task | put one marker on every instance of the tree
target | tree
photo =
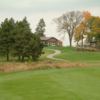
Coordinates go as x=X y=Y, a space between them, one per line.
x=22 y=37
x=40 y=29
x=79 y=32
x=82 y=28
x=17 y=39
x=94 y=26
x=27 y=44
x=68 y=22
x=35 y=46
x=6 y=37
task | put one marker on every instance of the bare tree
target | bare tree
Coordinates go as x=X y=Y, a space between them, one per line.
x=68 y=22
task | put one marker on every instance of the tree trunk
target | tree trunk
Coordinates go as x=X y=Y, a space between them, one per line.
x=82 y=41
x=19 y=58
x=22 y=58
x=70 y=41
x=7 y=54
x=77 y=44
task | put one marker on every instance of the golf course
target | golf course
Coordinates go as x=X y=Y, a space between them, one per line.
x=72 y=83
x=50 y=50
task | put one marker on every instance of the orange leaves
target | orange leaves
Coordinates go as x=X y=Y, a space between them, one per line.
x=80 y=31
x=82 y=28
x=86 y=15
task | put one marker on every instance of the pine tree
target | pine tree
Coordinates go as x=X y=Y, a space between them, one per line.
x=22 y=38
x=40 y=27
x=6 y=37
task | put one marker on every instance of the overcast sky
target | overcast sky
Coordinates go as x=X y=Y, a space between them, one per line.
x=47 y=9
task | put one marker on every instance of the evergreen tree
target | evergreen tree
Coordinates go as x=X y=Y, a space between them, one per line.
x=22 y=38
x=18 y=40
x=6 y=37
x=36 y=47
x=27 y=44
x=40 y=27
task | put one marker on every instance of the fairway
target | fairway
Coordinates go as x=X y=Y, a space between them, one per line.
x=52 y=84
x=71 y=54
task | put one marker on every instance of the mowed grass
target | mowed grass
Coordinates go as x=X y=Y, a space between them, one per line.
x=52 y=84
x=46 y=52
x=72 y=54
x=55 y=84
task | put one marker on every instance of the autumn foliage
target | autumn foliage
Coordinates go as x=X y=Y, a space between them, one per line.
x=89 y=29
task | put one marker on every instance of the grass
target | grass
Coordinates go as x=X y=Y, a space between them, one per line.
x=52 y=84
x=72 y=54
x=55 y=84
x=46 y=53
x=69 y=54
x=14 y=59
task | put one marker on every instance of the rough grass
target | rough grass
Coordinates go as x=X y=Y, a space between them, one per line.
x=54 y=84
x=47 y=64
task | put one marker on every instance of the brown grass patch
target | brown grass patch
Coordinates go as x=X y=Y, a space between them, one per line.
x=16 y=66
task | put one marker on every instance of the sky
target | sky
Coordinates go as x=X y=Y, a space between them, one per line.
x=47 y=9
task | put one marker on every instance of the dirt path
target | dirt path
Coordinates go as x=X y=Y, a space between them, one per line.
x=52 y=56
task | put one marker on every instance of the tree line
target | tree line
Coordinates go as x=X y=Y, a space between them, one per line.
x=80 y=26
x=18 y=41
